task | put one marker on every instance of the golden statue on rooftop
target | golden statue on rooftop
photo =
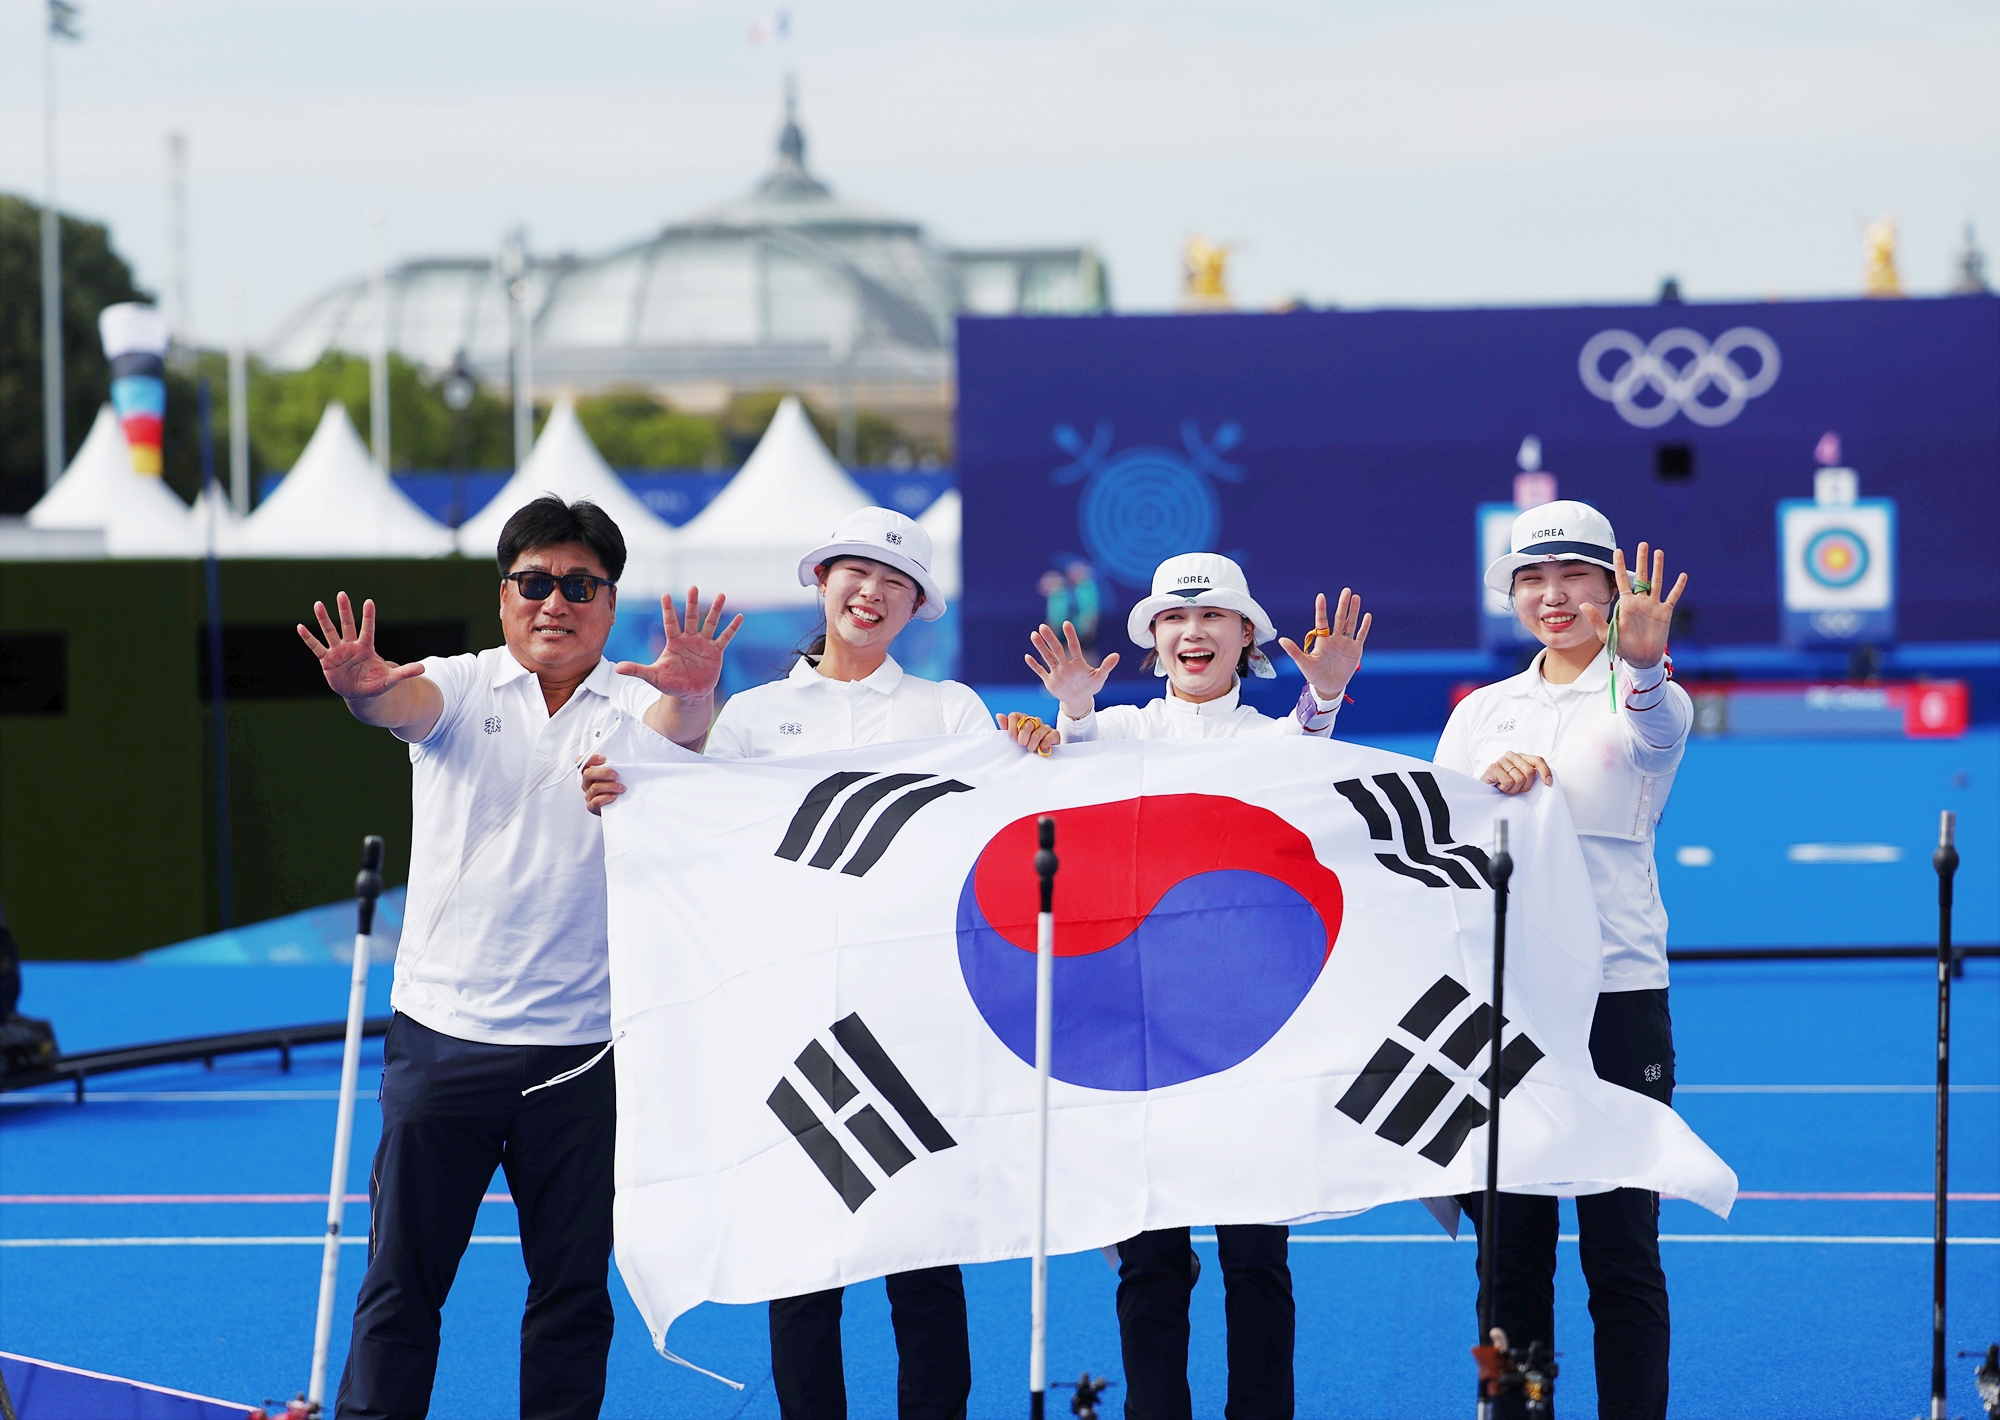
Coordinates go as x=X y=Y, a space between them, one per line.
x=1204 y=275
x=1880 y=277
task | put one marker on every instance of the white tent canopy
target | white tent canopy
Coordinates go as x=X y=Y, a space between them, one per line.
x=944 y=521
x=786 y=500
x=336 y=503
x=564 y=462
x=138 y=514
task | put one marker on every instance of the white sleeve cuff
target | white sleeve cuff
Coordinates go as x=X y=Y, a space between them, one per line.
x=1077 y=731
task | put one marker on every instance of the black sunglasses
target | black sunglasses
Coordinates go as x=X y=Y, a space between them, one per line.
x=576 y=586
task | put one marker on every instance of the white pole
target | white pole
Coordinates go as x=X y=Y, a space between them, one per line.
x=53 y=453
x=239 y=407
x=367 y=887
x=378 y=349
x=1045 y=967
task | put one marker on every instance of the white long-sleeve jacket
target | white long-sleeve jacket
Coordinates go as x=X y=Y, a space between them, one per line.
x=1615 y=772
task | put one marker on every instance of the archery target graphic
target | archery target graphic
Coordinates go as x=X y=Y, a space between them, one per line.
x=1836 y=558
x=1145 y=504
x=1189 y=928
x=1145 y=508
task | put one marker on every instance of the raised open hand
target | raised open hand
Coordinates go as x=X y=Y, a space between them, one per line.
x=1331 y=653
x=690 y=663
x=1065 y=673
x=1644 y=616
x=348 y=657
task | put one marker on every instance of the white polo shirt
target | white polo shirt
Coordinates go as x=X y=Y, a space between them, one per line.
x=1172 y=718
x=504 y=928
x=807 y=713
x=1614 y=771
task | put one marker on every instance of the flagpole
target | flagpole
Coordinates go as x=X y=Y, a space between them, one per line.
x=53 y=452
x=367 y=887
x=1489 y=1225
x=1945 y=861
x=1045 y=962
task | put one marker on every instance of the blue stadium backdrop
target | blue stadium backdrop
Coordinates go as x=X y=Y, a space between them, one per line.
x=1322 y=448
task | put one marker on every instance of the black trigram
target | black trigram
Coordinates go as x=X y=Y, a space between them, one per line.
x=1428 y=1090
x=858 y=793
x=1416 y=860
x=818 y=1131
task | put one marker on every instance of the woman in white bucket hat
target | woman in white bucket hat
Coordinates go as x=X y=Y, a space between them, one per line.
x=1203 y=630
x=1596 y=715
x=846 y=690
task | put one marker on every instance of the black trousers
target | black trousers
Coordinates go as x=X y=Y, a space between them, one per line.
x=453 y=1110
x=933 y=1354
x=1155 y=1281
x=1631 y=1044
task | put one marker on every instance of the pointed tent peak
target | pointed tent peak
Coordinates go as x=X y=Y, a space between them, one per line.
x=564 y=445
x=139 y=516
x=944 y=520
x=787 y=498
x=335 y=445
x=336 y=503
x=94 y=481
x=566 y=463
x=789 y=490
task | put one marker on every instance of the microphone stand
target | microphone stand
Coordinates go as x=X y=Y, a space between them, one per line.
x=1945 y=861
x=1045 y=961
x=1491 y=1354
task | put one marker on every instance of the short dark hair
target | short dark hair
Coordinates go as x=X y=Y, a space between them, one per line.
x=547 y=520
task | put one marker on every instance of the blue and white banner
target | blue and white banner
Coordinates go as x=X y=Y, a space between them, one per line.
x=1272 y=962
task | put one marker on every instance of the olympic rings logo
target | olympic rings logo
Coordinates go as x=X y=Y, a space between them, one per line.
x=1676 y=373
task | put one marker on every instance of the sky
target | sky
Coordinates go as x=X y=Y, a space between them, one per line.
x=1353 y=152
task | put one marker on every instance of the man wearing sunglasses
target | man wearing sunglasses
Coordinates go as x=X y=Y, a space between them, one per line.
x=499 y=1052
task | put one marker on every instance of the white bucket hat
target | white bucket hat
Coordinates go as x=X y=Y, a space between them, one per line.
x=1562 y=531
x=886 y=536
x=1202 y=579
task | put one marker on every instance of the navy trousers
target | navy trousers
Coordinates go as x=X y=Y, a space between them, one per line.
x=452 y=1111
x=1155 y=1281
x=1618 y=1235
x=933 y=1354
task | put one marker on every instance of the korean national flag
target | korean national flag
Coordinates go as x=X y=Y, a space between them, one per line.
x=1272 y=969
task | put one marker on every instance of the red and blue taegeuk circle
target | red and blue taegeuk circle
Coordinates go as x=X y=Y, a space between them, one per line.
x=1189 y=927
x=1836 y=557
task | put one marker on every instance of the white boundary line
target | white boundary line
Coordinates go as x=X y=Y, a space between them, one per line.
x=317 y=1240
x=1775 y=1239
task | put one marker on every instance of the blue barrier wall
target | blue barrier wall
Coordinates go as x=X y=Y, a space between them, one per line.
x=1330 y=448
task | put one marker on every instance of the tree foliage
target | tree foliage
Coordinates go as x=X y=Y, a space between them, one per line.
x=93 y=276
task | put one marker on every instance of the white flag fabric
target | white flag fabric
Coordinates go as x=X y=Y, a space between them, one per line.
x=1272 y=959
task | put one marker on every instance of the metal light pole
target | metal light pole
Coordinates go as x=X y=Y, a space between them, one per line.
x=239 y=407
x=378 y=347
x=458 y=392
x=179 y=320
x=514 y=281
x=62 y=21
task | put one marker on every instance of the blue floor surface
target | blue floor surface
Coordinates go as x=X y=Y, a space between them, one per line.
x=1808 y=1077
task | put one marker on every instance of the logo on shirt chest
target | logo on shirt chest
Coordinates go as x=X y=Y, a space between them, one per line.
x=1504 y=727
x=492 y=724
x=791 y=727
